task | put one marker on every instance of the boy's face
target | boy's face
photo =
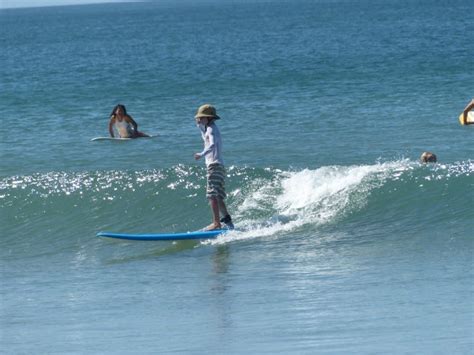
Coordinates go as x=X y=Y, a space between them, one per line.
x=202 y=120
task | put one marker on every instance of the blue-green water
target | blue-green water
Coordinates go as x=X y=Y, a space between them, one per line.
x=345 y=243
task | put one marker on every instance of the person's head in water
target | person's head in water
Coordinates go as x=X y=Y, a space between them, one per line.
x=117 y=110
x=428 y=157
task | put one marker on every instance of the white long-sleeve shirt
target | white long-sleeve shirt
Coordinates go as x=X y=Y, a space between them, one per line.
x=212 y=145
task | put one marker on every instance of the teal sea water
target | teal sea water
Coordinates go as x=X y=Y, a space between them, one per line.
x=345 y=243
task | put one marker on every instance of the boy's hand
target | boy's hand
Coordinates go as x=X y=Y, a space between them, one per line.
x=197 y=156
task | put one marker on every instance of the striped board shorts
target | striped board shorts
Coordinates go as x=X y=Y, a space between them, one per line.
x=215 y=181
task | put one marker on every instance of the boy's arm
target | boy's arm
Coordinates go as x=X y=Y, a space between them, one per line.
x=209 y=149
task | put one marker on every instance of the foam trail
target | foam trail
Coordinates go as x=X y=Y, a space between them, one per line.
x=309 y=197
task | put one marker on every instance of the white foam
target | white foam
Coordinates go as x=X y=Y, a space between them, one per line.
x=305 y=197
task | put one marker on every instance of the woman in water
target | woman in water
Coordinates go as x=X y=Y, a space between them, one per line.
x=124 y=124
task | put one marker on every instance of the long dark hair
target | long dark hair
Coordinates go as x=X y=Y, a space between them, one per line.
x=119 y=106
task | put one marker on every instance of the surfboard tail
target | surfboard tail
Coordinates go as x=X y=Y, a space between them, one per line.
x=165 y=236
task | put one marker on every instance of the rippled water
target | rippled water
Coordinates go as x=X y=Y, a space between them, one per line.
x=344 y=242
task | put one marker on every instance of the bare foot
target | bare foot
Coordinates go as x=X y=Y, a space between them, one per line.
x=213 y=226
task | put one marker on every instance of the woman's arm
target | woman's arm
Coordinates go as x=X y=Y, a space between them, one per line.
x=111 y=126
x=130 y=120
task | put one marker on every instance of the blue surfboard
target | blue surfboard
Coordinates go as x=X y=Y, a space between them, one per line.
x=165 y=236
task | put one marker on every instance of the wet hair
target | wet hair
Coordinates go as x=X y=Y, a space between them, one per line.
x=119 y=106
x=428 y=157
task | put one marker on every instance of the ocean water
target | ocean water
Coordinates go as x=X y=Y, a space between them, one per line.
x=345 y=243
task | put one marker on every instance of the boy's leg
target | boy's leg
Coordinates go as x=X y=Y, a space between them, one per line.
x=226 y=219
x=215 y=191
x=216 y=224
x=222 y=207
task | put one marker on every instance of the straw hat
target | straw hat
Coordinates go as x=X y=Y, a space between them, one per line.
x=207 y=111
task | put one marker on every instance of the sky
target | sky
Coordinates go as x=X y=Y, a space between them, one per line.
x=5 y=4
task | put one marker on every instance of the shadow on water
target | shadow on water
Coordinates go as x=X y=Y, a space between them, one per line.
x=171 y=248
x=220 y=257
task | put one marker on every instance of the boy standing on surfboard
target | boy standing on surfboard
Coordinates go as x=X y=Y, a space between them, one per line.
x=215 y=189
